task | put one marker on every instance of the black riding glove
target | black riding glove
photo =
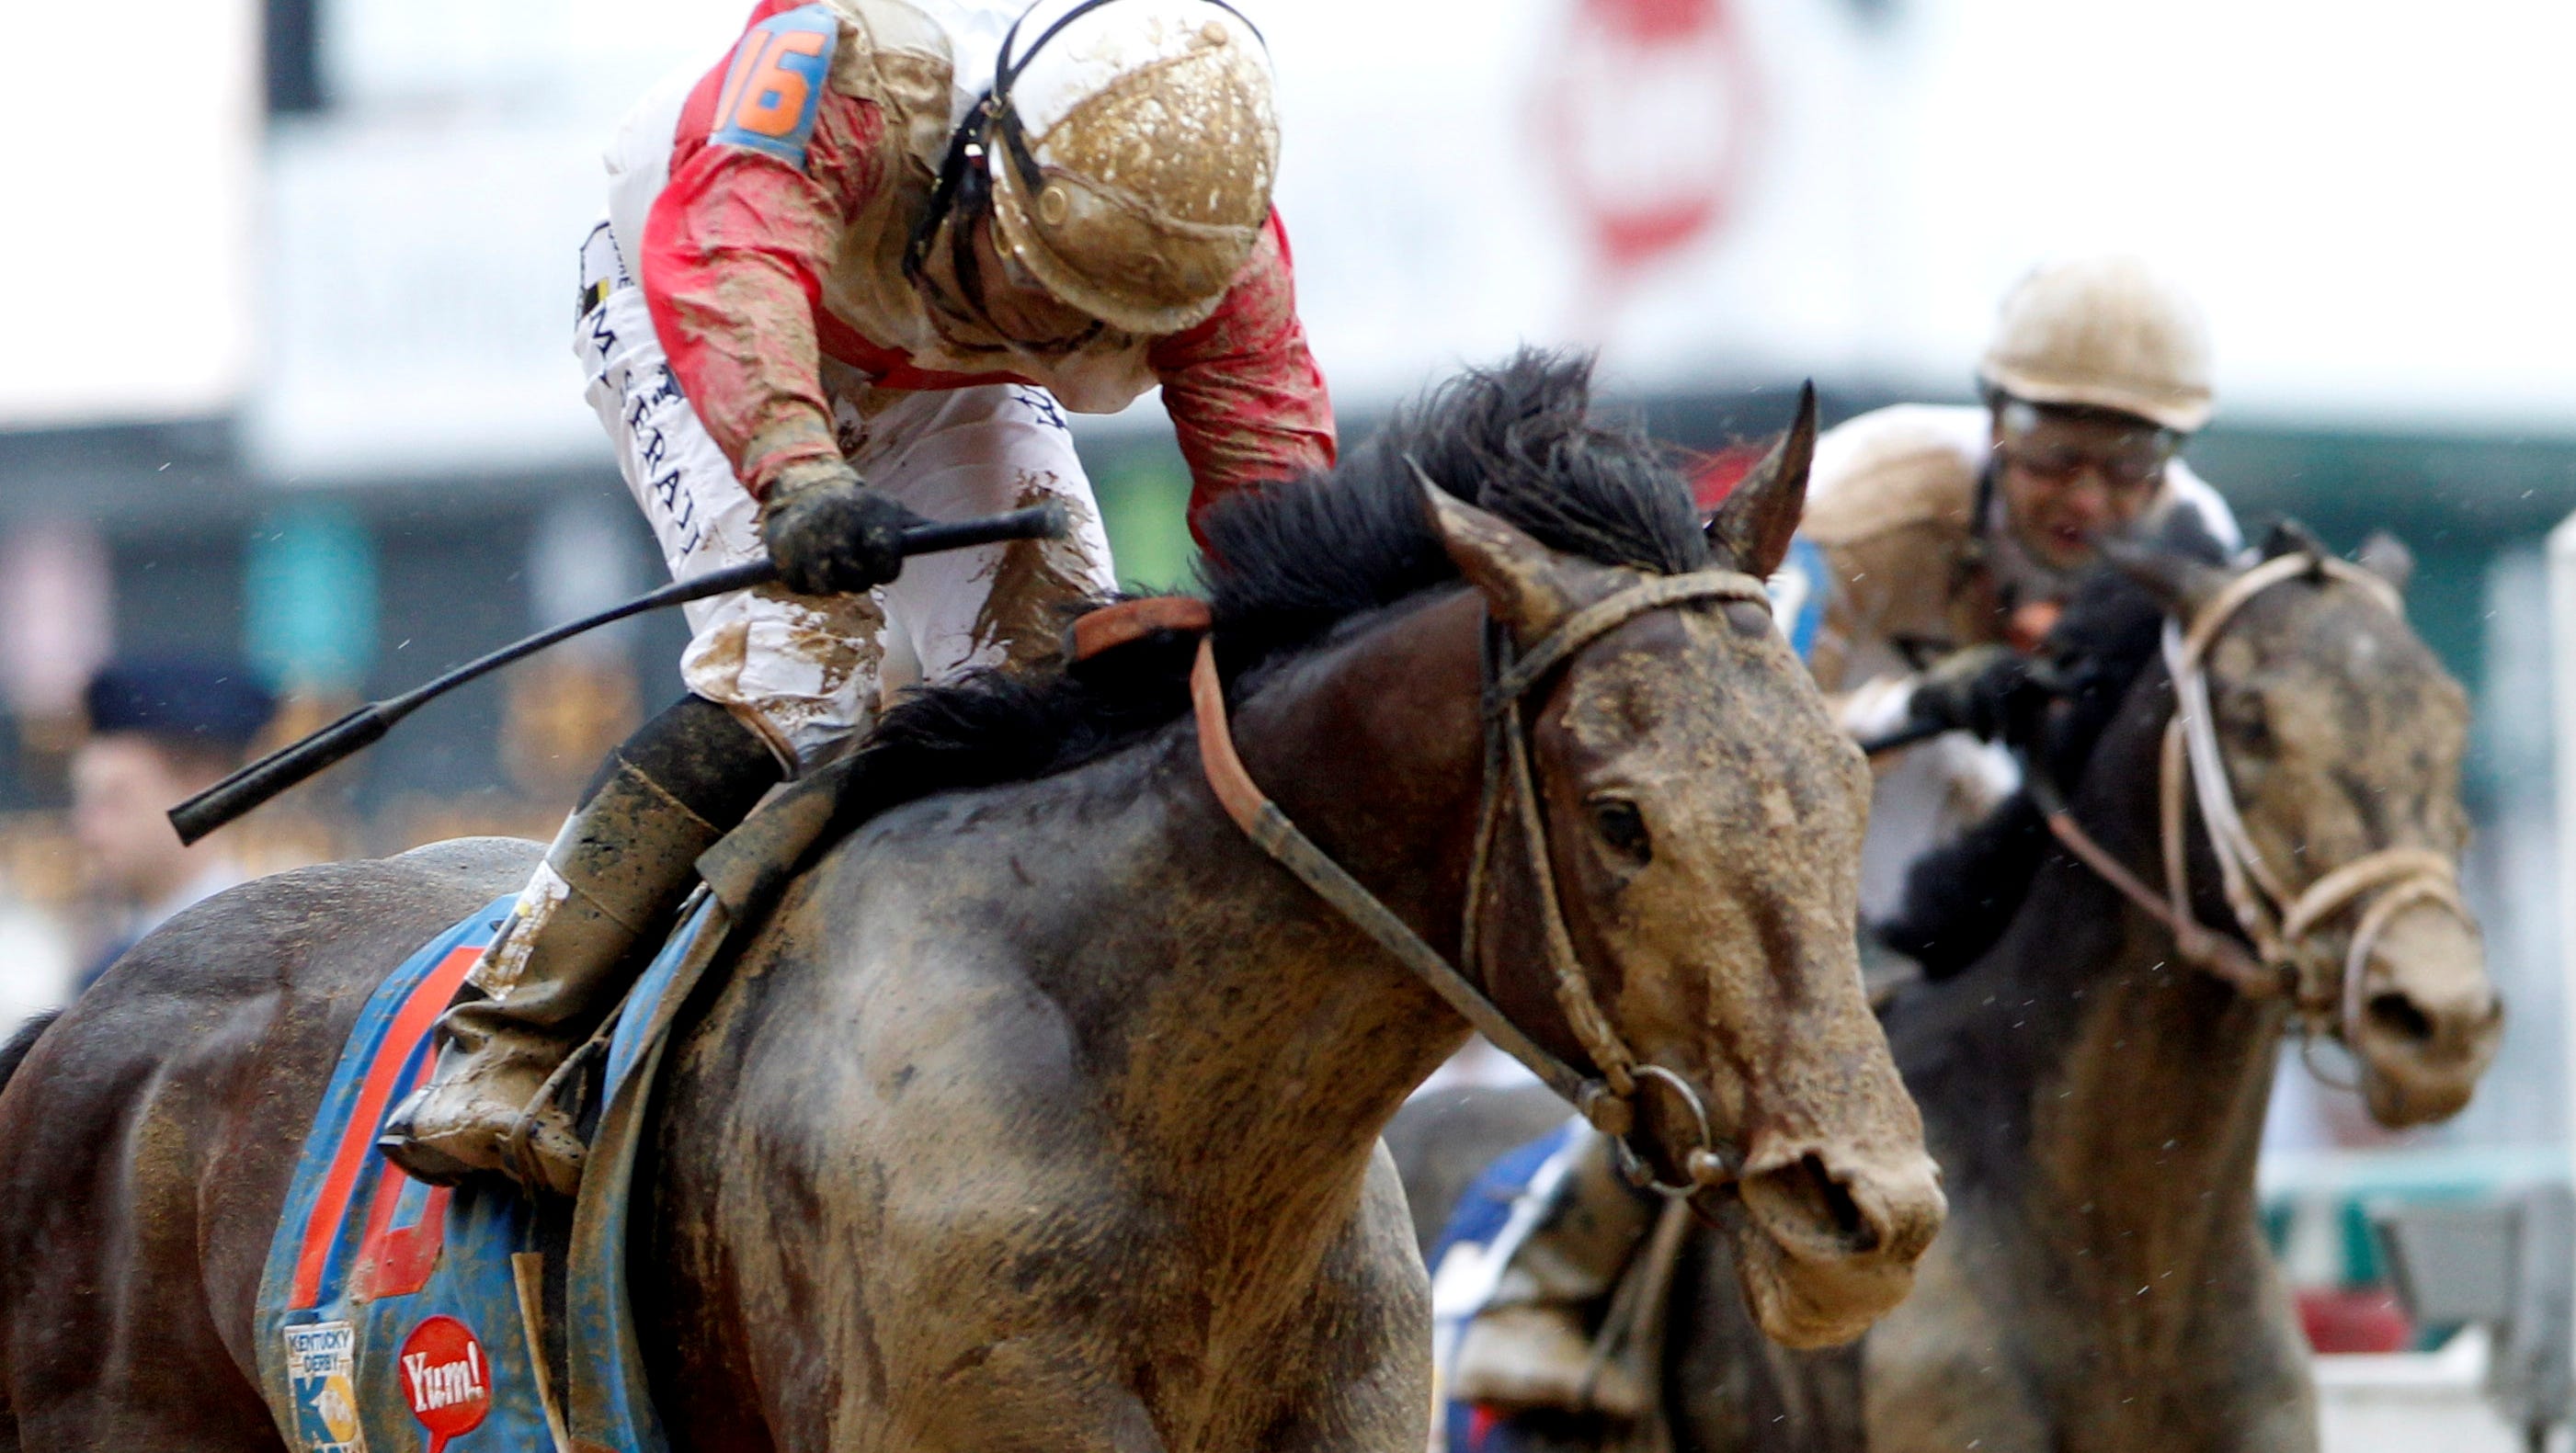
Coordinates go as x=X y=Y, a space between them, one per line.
x=829 y=533
x=1980 y=689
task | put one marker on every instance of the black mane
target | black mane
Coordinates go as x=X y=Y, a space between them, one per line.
x=1289 y=563
x=1960 y=898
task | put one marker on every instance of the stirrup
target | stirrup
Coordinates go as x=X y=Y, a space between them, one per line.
x=554 y=1168
x=419 y=1159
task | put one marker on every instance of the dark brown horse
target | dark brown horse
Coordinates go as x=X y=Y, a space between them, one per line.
x=2096 y=1103
x=1043 y=1111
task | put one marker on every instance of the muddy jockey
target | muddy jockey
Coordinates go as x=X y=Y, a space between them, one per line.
x=1937 y=547
x=849 y=277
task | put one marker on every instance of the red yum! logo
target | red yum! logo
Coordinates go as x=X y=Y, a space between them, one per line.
x=447 y=1379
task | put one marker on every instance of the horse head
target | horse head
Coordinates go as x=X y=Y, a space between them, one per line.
x=2338 y=736
x=1701 y=819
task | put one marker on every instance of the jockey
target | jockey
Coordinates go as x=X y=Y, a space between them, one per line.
x=1937 y=547
x=851 y=276
x=1947 y=539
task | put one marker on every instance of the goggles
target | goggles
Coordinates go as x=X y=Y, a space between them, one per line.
x=2132 y=460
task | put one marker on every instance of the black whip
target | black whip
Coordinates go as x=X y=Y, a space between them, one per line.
x=1915 y=730
x=362 y=728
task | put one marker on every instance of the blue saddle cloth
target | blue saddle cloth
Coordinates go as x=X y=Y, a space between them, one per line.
x=400 y=1315
x=1484 y=1230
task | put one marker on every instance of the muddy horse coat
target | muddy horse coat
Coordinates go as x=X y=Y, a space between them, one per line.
x=1044 y=1111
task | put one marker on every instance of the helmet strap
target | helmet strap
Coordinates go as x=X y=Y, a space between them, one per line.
x=965 y=187
x=961 y=175
x=1006 y=71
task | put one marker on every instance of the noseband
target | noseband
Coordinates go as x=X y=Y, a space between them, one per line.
x=2286 y=960
x=1606 y=1098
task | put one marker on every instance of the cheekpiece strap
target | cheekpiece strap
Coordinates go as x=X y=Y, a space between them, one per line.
x=1270 y=830
x=1605 y=1099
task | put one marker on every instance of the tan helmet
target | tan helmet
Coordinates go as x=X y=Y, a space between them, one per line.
x=1133 y=149
x=2105 y=332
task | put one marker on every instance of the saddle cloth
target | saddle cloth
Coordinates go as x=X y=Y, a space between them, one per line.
x=396 y=1315
x=1490 y=1222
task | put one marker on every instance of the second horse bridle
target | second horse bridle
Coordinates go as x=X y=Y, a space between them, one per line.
x=2280 y=924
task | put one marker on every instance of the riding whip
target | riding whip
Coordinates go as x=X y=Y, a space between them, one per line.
x=1913 y=731
x=360 y=729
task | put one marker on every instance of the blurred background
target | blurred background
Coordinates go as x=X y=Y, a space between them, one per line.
x=287 y=373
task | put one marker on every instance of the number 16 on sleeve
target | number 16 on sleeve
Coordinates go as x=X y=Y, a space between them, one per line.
x=774 y=85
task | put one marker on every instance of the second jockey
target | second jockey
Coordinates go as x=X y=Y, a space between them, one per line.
x=851 y=276
x=1945 y=539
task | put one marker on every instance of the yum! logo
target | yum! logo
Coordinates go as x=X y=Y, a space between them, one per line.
x=446 y=1378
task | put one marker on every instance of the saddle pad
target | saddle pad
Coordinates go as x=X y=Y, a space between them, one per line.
x=1488 y=1225
x=402 y=1315
x=382 y=1294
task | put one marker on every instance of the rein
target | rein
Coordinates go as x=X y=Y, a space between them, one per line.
x=2281 y=925
x=1607 y=1098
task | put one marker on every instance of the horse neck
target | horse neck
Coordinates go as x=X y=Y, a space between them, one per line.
x=1285 y=1039
x=2133 y=1085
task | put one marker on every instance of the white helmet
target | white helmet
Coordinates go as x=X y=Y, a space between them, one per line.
x=1132 y=148
x=2103 y=332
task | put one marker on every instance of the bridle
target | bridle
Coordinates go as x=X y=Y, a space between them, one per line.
x=2281 y=924
x=1605 y=1097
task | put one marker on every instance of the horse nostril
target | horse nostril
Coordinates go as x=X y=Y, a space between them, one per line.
x=2398 y=1015
x=1826 y=1200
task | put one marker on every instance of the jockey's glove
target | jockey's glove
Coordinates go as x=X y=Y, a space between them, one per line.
x=1981 y=689
x=829 y=533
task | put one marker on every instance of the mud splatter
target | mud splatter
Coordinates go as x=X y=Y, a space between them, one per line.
x=1034 y=581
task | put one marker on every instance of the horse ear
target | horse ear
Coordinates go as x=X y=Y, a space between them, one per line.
x=2289 y=537
x=1523 y=583
x=2179 y=583
x=2387 y=557
x=1751 y=530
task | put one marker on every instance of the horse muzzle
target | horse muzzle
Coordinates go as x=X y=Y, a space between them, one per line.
x=1833 y=1235
x=2428 y=1019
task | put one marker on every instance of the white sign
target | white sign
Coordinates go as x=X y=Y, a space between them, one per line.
x=132 y=172
x=420 y=281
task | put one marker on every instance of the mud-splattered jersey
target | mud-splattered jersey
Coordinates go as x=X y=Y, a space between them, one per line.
x=769 y=204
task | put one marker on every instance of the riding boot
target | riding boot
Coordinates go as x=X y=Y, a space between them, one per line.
x=1537 y=1342
x=621 y=864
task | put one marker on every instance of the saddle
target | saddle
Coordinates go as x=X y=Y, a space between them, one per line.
x=394 y=1313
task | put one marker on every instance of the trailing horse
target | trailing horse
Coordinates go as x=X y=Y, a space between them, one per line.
x=2094 y=1098
x=1042 y=1111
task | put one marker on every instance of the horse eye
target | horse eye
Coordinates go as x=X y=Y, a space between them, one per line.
x=1623 y=827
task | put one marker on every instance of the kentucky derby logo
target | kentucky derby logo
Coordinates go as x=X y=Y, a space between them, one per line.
x=320 y=1363
x=446 y=1379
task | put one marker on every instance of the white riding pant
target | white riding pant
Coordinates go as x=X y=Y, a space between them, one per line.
x=809 y=672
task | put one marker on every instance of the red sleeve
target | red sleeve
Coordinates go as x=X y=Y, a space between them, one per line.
x=734 y=254
x=1246 y=399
